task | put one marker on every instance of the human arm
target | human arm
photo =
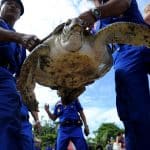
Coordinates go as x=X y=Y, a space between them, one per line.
x=37 y=124
x=108 y=9
x=50 y=115
x=83 y=117
x=26 y=40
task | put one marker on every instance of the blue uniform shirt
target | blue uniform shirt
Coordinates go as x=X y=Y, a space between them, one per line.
x=12 y=54
x=68 y=112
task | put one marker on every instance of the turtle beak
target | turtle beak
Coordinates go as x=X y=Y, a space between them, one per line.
x=77 y=28
x=76 y=25
x=71 y=37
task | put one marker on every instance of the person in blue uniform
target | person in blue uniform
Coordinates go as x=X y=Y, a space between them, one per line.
x=71 y=117
x=132 y=66
x=12 y=55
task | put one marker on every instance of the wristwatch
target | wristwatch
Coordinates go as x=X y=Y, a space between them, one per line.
x=96 y=13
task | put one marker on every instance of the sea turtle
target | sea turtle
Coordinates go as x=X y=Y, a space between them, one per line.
x=70 y=59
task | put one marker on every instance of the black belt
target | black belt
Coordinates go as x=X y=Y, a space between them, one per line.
x=4 y=64
x=24 y=118
x=71 y=122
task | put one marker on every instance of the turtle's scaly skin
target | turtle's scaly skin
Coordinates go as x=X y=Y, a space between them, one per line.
x=69 y=59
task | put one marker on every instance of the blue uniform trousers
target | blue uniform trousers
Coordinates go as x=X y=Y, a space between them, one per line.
x=133 y=95
x=137 y=135
x=9 y=113
x=15 y=134
x=133 y=99
x=73 y=133
x=26 y=136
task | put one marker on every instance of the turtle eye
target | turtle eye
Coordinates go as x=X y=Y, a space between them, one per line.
x=68 y=22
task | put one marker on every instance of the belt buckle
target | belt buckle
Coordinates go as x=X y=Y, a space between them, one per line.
x=14 y=75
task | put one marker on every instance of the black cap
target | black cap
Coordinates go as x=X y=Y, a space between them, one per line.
x=18 y=1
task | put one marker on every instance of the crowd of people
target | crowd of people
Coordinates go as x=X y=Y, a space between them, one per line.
x=131 y=64
x=117 y=144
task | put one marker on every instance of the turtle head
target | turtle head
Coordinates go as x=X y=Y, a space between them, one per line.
x=68 y=95
x=72 y=35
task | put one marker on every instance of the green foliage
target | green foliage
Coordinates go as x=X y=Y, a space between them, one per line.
x=48 y=134
x=105 y=132
x=90 y=140
x=91 y=143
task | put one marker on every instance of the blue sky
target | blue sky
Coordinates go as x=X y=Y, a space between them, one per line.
x=40 y=18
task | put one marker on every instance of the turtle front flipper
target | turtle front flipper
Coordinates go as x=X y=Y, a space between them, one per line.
x=27 y=79
x=124 y=33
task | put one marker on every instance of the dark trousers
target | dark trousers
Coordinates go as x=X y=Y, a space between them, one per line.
x=137 y=135
x=10 y=124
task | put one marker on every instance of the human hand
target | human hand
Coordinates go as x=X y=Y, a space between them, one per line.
x=46 y=107
x=86 y=130
x=87 y=18
x=29 y=41
x=37 y=126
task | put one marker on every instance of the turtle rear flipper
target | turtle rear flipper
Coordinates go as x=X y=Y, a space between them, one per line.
x=124 y=33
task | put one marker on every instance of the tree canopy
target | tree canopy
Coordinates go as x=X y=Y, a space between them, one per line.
x=105 y=132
